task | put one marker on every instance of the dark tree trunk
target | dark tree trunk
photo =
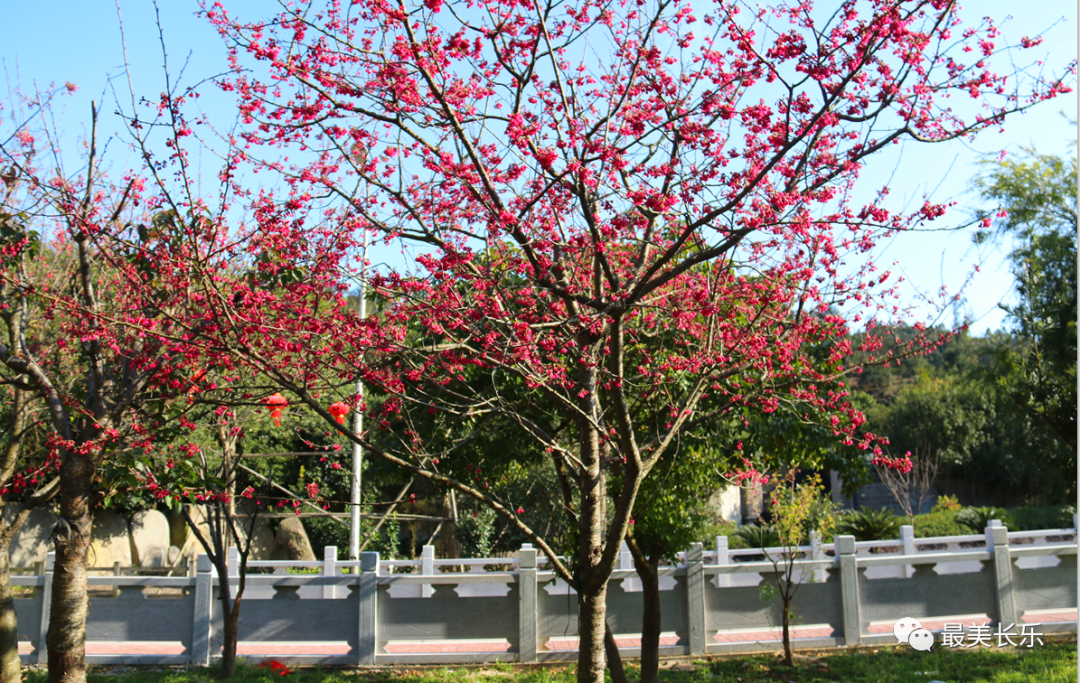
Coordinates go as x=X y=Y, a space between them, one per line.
x=650 y=622
x=785 y=621
x=224 y=534
x=646 y=568
x=230 y=607
x=230 y=611
x=10 y=666
x=614 y=659
x=67 y=613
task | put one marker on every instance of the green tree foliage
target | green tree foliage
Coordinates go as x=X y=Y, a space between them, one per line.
x=939 y=414
x=958 y=403
x=1035 y=204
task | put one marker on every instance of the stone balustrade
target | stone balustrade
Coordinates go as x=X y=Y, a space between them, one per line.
x=513 y=609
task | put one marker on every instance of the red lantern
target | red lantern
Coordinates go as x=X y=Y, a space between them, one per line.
x=195 y=388
x=339 y=411
x=277 y=403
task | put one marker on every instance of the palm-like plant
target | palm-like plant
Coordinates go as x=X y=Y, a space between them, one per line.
x=754 y=536
x=978 y=518
x=869 y=525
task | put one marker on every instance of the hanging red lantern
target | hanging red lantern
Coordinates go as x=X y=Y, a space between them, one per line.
x=277 y=403
x=195 y=388
x=339 y=410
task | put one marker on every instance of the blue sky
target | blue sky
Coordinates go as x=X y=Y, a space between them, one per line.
x=79 y=41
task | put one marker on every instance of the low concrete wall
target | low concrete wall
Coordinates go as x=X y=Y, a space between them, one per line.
x=521 y=613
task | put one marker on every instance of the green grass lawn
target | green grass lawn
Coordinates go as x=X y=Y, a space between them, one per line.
x=1054 y=662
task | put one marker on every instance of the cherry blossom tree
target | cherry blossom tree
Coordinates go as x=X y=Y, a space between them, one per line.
x=581 y=180
x=95 y=308
x=27 y=473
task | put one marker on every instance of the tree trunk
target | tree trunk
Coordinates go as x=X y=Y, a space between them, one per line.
x=10 y=666
x=614 y=659
x=650 y=617
x=230 y=612
x=230 y=608
x=592 y=610
x=67 y=613
x=785 y=621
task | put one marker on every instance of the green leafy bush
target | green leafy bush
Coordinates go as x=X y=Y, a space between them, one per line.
x=1028 y=518
x=976 y=519
x=754 y=536
x=869 y=525
x=941 y=523
x=947 y=504
x=722 y=528
x=973 y=520
x=475 y=533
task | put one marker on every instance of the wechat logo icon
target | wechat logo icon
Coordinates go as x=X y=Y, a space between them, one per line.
x=910 y=631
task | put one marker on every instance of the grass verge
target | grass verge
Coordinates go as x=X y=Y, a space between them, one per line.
x=1054 y=662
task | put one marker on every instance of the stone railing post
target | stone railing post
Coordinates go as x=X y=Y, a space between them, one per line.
x=329 y=568
x=204 y=597
x=527 y=604
x=695 y=598
x=233 y=568
x=46 y=602
x=817 y=552
x=1006 y=600
x=427 y=568
x=722 y=558
x=367 y=640
x=907 y=547
x=849 y=589
x=630 y=584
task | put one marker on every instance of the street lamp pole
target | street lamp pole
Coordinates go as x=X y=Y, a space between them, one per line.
x=358 y=427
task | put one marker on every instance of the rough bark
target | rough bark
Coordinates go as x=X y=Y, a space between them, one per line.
x=592 y=611
x=592 y=579
x=67 y=614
